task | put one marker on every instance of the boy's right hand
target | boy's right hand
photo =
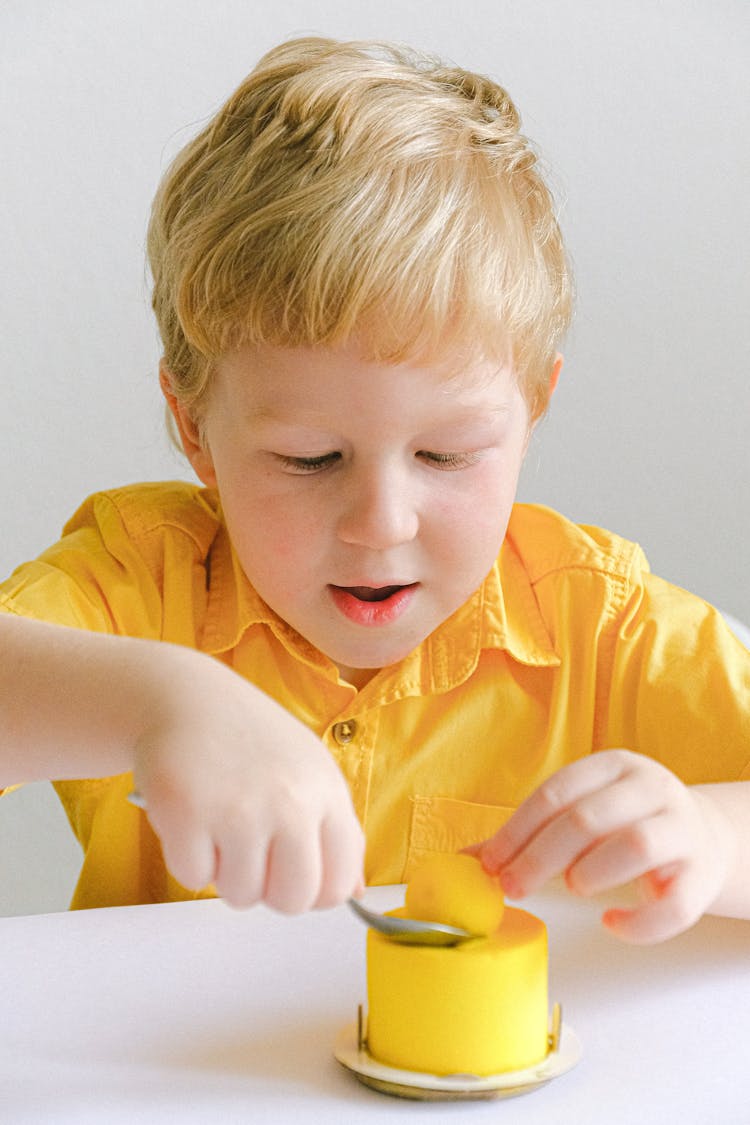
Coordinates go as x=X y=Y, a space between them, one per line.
x=242 y=795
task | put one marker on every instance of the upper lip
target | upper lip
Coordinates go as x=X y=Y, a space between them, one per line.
x=370 y=585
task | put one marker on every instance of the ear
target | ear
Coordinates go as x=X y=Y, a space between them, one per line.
x=554 y=376
x=195 y=448
x=556 y=369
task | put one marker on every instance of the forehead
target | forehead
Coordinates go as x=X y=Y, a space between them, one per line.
x=268 y=380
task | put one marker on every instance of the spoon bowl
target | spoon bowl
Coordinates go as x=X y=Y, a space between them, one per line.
x=410 y=931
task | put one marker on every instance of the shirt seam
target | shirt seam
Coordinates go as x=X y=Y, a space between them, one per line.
x=619 y=590
x=139 y=534
x=620 y=574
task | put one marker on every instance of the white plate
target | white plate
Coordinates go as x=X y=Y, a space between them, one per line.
x=436 y=1087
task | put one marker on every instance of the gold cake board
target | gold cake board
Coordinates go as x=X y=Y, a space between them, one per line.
x=350 y=1049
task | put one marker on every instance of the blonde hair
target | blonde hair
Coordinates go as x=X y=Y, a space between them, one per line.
x=359 y=190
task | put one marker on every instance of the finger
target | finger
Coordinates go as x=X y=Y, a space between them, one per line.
x=188 y=848
x=294 y=869
x=242 y=851
x=342 y=852
x=677 y=907
x=580 y=830
x=192 y=859
x=553 y=797
x=623 y=856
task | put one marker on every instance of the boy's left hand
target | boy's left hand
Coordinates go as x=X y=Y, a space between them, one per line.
x=610 y=819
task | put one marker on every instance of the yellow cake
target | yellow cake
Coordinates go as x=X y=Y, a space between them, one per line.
x=475 y=1008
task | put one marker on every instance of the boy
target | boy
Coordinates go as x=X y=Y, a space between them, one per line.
x=360 y=286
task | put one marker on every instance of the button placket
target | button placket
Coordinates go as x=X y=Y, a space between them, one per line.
x=352 y=743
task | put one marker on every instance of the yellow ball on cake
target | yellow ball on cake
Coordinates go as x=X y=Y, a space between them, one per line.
x=456 y=891
x=475 y=1008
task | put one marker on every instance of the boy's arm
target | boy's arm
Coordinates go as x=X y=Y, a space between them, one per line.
x=616 y=817
x=72 y=703
x=241 y=794
x=732 y=801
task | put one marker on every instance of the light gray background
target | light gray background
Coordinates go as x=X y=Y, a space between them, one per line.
x=640 y=107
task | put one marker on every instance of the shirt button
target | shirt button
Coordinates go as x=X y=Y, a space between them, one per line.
x=344 y=732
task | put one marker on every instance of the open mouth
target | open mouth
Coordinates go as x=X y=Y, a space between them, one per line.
x=371 y=593
x=374 y=605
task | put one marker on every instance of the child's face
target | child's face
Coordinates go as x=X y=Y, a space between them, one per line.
x=366 y=501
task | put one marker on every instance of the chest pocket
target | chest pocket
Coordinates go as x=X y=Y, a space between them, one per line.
x=444 y=824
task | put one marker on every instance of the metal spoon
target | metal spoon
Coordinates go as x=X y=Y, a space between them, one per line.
x=410 y=931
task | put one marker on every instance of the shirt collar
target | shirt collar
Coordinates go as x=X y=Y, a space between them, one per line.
x=517 y=623
x=502 y=614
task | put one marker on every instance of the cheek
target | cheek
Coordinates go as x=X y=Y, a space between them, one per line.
x=481 y=514
x=468 y=538
x=271 y=530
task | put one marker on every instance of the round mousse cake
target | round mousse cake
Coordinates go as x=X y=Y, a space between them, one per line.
x=479 y=1007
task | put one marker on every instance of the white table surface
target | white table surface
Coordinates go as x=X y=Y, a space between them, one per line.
x=190 y=1012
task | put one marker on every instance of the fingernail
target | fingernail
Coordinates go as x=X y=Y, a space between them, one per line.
x=490 y=863
x=613 y=917
x=511 y=887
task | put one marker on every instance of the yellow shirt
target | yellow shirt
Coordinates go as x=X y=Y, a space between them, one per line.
x=569 y=646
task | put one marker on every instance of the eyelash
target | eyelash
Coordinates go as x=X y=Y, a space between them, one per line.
x=309 y=464
x=444 y=461
x=448 y=461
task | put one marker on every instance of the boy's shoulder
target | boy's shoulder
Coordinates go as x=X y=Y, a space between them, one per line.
x=548 y=543
x=141 y=511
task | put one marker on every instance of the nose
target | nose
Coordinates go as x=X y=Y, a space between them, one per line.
x=379 y=511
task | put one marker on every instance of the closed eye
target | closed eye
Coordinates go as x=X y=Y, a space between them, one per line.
x=448 y=461
x=308 y=464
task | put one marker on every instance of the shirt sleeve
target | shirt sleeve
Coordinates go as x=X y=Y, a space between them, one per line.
x=679 y=685
x=94 y=578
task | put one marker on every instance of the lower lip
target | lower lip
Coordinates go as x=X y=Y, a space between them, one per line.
x=373 y=613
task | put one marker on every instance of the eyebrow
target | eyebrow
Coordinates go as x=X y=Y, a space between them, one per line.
x=305 y=417
x=266 y=414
